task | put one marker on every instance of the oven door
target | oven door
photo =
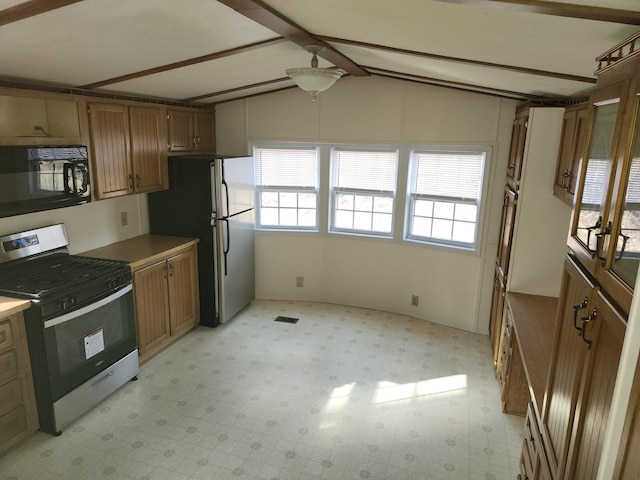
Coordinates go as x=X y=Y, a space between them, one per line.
x=82 y=343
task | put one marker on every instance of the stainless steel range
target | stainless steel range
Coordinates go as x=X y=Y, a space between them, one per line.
x=80 y=326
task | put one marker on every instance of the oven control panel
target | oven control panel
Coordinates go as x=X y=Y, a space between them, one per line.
x=18 y=243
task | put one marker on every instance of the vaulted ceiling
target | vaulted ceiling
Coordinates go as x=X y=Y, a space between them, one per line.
x=208 y=51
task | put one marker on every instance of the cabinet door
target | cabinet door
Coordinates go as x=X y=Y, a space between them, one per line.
x=181 y=131
x=204 y=133
x=495 y=325
x=148 y=148
x=567 y=364
x=510 y=201
x=574 y=130
x=618 y=277
x=183 y=291
x=589 y=224
x=152 y=307
x=603 y=335
x=516 y=153
x=109 y=131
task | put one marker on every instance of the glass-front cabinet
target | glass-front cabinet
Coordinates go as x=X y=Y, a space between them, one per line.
x=605 y=231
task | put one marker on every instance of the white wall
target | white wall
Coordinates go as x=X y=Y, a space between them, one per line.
x=454 y=287
x=90 y=225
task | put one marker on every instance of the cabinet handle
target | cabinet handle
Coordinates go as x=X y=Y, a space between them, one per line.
x=565 y=177
x=166 y=271
x=590 y=230
x=576 y=309
x=130 y=182
x=171 y=269
x=625 y=238
x=600 y=244
x=137 y=181
x=586 y=320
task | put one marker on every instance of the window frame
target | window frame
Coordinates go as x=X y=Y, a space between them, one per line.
x=259 y=189
x=480 y=202
x=334 y=191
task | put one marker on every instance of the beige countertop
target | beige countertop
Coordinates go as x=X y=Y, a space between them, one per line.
x=9 y=306
x=141 y=250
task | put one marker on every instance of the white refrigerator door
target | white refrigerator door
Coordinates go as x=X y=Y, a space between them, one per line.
x=237 y=266
x=234 y=232
x=237 y=193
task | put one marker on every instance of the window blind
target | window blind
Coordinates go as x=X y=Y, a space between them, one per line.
x=447 y=174
x=280 y=167
x=372 y=170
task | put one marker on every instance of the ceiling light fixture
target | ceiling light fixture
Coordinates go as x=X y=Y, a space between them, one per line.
x=314 y=80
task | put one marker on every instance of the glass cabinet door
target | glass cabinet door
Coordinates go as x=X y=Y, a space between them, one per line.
x=627 y=255
x=591 y=224
x=596 y=178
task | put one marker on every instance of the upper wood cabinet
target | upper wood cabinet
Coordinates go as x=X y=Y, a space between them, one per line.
x=128 y=146
x=605 y=230
x=191 y=131
x=516 y=152
x=47 y=119
x=572 y=144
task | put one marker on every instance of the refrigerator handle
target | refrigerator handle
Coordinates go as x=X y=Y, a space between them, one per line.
x=225 y=248
x=226 y=188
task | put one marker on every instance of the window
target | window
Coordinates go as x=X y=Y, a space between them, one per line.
x=286 y=188
x=363 y=184
x=444 y=196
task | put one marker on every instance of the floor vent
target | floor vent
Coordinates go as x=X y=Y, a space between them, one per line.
x=286 y=319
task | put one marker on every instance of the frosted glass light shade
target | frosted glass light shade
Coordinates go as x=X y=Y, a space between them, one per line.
x=314 y=80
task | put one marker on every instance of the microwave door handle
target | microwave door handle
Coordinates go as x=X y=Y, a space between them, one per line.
x=85 y=179
x=69 y=179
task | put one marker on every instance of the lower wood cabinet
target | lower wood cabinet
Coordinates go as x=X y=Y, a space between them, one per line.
x=514 y=388
x=166 y=298
x=18 y=414
x=533 y=461
x=588 y=343
x=165 y=286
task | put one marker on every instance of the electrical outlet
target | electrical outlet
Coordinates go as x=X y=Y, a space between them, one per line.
x=414 y=300
x=299 y=282
x=124 y=221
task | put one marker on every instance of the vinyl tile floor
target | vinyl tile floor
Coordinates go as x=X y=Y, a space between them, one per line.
x=345 y=393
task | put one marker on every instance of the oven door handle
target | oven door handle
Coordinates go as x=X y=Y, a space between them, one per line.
x=89 y=308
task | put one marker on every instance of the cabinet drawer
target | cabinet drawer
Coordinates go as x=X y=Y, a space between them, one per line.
x=6 y=335
x=8 y=366
x=12 y=424
x=10 y=396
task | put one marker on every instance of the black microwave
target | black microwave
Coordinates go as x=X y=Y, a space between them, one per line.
x=36 y=178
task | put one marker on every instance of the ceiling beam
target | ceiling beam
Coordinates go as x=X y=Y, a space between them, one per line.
x=513 y=68
x=469 y=87
x=263 y=14
x=30 y=9
x=186 y=63
x=238 y=89
x=585 y=12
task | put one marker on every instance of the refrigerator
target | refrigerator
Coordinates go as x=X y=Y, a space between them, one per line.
x=212 y=198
